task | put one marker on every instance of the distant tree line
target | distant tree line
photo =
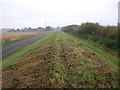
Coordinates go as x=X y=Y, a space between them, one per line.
x=29 y=29
x=105 y=35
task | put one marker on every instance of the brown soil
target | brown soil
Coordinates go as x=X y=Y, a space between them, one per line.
x=10 y=36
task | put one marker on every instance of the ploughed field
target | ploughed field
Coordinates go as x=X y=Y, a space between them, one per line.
x=60 y=60
x=11 y=37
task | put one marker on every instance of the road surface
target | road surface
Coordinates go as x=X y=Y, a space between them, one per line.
x=9 y=48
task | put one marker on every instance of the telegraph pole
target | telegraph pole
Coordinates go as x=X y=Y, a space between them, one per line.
x=46 y=23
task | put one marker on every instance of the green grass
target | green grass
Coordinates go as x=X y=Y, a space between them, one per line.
x=108 y=55
x=58 y=71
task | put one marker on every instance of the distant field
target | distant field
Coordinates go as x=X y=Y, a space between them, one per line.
x=10 y=37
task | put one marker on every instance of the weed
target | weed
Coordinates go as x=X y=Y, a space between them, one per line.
x=49 y=52
x=14 y=81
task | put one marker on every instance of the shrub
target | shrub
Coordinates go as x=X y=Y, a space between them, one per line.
x=105 y=35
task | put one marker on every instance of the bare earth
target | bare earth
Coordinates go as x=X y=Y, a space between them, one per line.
x=9 y=36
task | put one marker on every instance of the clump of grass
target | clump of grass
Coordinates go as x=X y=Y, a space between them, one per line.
x=14 y=81
x=86 y=62
x=50 y=46
x=90 y=77
x=93 y=53
x=49 y=52
x=60 y=73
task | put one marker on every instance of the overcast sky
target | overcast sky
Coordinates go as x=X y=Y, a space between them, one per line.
x=35 y=13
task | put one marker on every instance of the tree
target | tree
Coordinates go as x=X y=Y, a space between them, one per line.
x=89 y=28
x=48 y=28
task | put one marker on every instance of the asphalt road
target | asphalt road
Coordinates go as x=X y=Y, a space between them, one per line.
x=9 y=48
